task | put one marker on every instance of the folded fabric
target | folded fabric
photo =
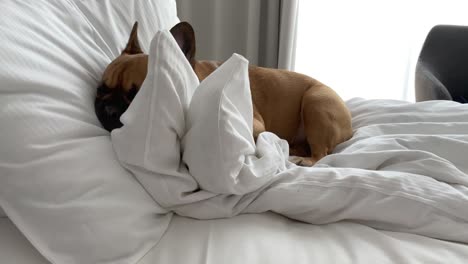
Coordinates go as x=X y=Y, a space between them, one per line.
x=148 y=144
x=219 y=148
x=403 y=170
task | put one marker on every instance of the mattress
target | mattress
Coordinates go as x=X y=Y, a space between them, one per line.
x=267 y=238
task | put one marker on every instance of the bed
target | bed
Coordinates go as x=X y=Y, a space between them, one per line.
x=67 y=199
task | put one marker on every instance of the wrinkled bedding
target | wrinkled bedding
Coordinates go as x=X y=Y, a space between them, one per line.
x=266 y=238
x=404 y=169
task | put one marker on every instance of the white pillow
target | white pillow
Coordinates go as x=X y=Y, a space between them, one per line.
x=60 y=182
x=219 y=148
x=111 y=21
x=148 y=144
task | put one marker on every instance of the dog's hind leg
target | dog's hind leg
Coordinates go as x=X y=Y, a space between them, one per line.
x=258 y=124
x=327 y=122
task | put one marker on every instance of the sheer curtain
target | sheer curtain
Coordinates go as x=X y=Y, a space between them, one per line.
x=368 y=48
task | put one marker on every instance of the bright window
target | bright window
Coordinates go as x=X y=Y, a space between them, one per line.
x=369 y=48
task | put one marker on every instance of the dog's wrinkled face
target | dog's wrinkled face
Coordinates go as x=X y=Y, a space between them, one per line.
x=110 y=105
x=117 y=89
x=124 y=76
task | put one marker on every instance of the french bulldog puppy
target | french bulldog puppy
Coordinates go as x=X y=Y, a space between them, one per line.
x=295 y=107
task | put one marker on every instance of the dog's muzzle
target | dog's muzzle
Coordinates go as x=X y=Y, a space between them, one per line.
x=110 y=104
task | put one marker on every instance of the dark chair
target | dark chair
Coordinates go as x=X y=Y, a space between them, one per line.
x=442 y=67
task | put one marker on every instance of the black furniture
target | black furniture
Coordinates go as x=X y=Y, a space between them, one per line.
x=442 y=67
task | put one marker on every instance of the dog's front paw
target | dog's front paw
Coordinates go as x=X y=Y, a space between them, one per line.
x=302 y=161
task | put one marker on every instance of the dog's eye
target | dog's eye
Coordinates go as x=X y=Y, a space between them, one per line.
x=103 y=89
x=132 y=93
x=103 y=92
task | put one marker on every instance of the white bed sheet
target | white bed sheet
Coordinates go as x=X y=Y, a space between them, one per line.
x=267 y=238
x=15 y=248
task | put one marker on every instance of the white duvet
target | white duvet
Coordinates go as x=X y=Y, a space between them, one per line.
x=405 y=169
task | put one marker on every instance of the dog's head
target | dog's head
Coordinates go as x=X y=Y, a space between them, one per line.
x=124 y=76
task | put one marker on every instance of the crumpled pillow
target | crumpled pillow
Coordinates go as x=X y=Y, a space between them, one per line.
x=148 y=143
x=219 y=148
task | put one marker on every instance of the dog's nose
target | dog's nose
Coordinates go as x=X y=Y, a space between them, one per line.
x=112 y=111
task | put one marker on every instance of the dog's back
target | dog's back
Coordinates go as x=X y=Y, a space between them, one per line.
x=277 y=97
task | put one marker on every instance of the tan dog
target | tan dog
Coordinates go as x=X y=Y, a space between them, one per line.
x=303 y=111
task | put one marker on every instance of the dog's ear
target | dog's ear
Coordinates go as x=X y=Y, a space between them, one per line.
x=185 y=37
x=133 y=45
